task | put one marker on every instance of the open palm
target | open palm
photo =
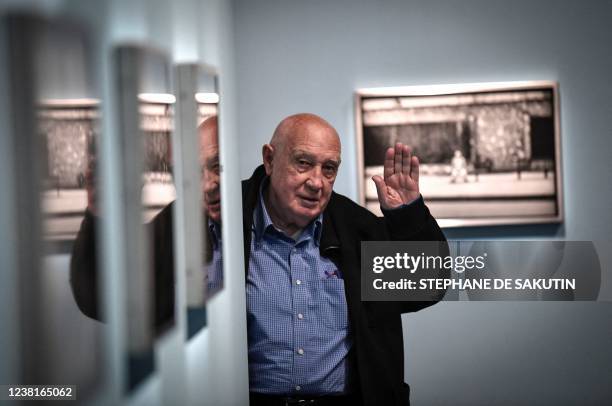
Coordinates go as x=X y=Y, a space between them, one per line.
x=400 y=184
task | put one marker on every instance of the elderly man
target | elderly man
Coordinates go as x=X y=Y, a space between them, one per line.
x=310 y=337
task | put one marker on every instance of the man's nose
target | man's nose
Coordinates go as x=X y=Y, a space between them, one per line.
x=210 y=183
x=315 y=180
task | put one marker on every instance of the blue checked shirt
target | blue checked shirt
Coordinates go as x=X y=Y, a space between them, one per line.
x=298 y=329
x=214 y=269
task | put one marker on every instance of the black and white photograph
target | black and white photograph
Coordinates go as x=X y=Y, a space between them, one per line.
x=68 y=130
x=489 y=153
x=156 y=124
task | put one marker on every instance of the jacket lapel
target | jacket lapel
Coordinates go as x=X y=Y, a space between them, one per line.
x=250 y=192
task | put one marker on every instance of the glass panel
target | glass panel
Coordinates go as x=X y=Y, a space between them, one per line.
x=199 y=84
x=68 y=130
x=207 y=99
x=55 y=121
x=144 y=116
x=147 y=111
x=158 y=191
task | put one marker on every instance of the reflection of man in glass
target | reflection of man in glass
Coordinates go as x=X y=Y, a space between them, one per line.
x=83 y=266
x=211 y=199
x=209 y=159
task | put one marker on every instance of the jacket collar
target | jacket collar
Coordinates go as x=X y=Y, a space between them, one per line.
x=329 y=235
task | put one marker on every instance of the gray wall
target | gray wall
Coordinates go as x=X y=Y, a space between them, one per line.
x=297 y=56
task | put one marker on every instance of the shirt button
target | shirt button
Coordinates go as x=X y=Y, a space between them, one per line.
x=300 y=351
x=300 y=316
x=298 y=282
x=298 y=387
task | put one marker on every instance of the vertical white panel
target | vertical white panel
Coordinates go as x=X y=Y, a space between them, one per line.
x=22 y=34
x=170 y=350
x=9 y=334
x=109 y=234
x=189 y=204
x=228 y=366
x=128 y=62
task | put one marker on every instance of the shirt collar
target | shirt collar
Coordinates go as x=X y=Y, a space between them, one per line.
x=262 y=221
x=215 y=232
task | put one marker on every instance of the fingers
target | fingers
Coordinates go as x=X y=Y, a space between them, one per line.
x=406 y=151
x=399 y=151
x=389 y=163
x=399 y=160
x=380 y=186
x=414 y=169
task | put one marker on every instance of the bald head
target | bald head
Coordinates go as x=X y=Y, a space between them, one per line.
x=208 y=130
x=303 y=125
x=302 y=161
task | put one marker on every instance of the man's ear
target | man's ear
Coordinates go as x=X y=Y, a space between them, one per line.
x=267 y=153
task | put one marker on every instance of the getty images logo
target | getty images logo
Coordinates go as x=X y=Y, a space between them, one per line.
x=412 y=263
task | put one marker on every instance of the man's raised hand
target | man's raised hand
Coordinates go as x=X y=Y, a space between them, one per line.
x=401 y=178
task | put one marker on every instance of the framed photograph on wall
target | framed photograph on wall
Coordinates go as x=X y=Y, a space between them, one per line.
x=489 y=152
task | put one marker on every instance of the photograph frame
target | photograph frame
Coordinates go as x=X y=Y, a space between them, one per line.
x=455 y=90
x=432 y=91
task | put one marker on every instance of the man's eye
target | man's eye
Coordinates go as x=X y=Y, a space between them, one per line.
x=302 y=163
x=215 y=168
x=330 y=170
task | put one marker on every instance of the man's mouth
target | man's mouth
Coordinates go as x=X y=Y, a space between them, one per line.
x=309 y=202
x=213 y=204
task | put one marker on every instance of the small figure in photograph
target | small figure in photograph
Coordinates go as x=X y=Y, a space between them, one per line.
x=458 y=168
x=519 y=159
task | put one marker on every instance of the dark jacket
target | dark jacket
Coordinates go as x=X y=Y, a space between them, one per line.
x=376 y=326
x=84 y=275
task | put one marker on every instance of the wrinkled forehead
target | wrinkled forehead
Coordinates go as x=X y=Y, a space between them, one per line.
x=315 y=139
x=209 y=142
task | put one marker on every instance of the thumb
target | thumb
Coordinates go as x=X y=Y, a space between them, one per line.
x=380 y=186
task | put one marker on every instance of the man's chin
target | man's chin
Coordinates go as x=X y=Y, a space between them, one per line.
x=306 y=215
x=214 y=216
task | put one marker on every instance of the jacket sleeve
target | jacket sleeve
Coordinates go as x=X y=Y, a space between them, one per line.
x=83 y=268
x=413 y=222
